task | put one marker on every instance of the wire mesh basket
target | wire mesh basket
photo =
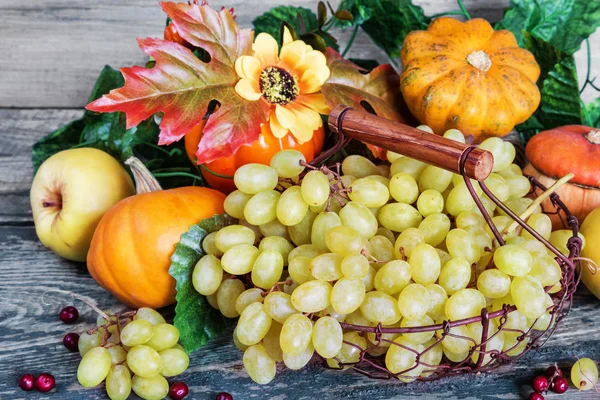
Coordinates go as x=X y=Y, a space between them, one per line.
x=482 y=355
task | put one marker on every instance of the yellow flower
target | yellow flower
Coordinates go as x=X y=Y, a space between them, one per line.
x=289 y=81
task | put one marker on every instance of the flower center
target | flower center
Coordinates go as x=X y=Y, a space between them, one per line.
x=278 y=86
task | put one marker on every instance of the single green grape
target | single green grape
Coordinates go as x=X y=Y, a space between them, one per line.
x=584 y=374
x=288 y=163
x=94 y=367
x=144 y=361
x=254 y=178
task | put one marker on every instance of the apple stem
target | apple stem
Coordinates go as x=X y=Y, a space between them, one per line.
x=145 y=182
x=47 y=204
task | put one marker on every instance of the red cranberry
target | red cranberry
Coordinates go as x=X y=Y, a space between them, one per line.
x=224 y=396
x=559 y=385
x=44 y=382
x=26 y=382
x=71 y=340
x=552 y=371
x=178 y=390
x=535 y=396
x=69 y=314
x=540 y=384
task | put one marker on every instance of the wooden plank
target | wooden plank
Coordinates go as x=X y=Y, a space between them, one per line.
x=31 y=335
x=53 y=50
x=20 y=129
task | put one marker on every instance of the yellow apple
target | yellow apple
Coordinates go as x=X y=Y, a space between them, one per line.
x=591 y=230
x=71 y=191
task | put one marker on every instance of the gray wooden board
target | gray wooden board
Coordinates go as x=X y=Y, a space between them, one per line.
x=31 y=334
x=53 y=50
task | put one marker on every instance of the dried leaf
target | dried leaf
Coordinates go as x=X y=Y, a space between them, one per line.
x=377 y=91
x=216 y=32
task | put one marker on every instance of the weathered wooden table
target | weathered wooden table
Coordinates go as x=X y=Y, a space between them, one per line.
x=52 y=51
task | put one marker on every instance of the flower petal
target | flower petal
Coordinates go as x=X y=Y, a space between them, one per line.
x=313 y=79
x=306 y=114
x=265 y=49
x=248 y=67
x=292 y=54
x=312 y=59
x=301 y=131
x=316 y=101
x=248 y=89
x=278 y=130
x=286 y=118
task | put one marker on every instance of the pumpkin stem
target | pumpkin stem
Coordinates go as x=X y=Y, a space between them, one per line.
x=145 y=182
x=480 y=60
x=593 y=136
x=538 y=200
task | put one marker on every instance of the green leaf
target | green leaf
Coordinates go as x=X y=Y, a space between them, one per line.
x=270 y=21
x=63 y=138
x=559 y=88
x=301 y=20
x=107 y=132
x=358 y=9
x=560 y=103
x=321 y=14
x=591 y=113
x=195 y=319
x=564 y=24
x=386 y=22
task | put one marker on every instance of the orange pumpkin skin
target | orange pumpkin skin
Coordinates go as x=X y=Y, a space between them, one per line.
x=130 y=253
x=260 y=151
x=556 y=152
x=467 y=76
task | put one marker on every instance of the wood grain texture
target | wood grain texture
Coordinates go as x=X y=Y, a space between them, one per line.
x=31 y=334
x=53 y=50
x=19 y=130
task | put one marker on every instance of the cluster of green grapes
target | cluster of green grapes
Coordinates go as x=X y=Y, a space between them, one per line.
x=401 y=245
x=142 y=344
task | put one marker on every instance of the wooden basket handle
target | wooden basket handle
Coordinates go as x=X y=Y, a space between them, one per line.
x=411 y=142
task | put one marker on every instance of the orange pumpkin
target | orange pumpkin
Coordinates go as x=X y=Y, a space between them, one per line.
x=131 y=249
x=260 y=151
x=467 y=76
x=555 y=153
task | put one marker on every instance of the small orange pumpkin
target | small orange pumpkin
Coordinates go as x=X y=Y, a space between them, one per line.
x=260 y=151
x=131 y=249
x=467 y=76
x=555 y=153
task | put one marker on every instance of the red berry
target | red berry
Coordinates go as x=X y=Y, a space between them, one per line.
x=224 y=396
x=26 y=382
x=535 y=396
x=178 y=390
x=552 y=371
x=540 y=384
x=71 y=340
x=559 y=385
x=44 y=382
x=69 y=314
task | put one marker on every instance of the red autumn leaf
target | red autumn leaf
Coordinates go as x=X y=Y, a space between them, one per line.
x=216 y=32
x=181 y=86
x=351 y=86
